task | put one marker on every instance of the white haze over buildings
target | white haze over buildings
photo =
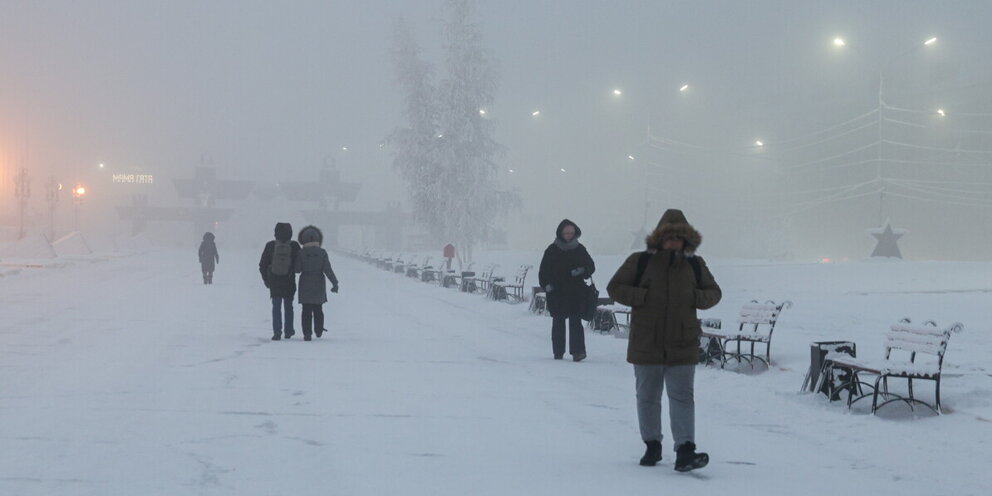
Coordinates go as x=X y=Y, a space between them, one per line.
x=271 y=92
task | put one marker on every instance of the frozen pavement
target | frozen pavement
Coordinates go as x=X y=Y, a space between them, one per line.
x=131 y=377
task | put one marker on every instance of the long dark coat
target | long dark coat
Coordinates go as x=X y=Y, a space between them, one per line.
x=279 y=286
x=664 y=329
x=313 y=265
x=569 y=294
x=208 y=253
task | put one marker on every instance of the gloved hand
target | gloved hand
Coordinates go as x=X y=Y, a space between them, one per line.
x=334 y=289
x=578 y=271
x=548 y=288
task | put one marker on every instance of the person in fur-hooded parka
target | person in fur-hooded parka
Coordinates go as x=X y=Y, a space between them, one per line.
x=313 y=265
x=208 y=257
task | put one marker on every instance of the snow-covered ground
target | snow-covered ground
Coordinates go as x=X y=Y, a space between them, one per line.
x=128 y=376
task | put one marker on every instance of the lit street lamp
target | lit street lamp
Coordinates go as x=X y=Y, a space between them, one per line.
x=77 y=199
x=684 y=88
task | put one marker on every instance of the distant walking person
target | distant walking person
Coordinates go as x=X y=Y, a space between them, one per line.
x=208 y=257
x=276 y=266
x=313 y=265
x=564 y=268
x=664 y=286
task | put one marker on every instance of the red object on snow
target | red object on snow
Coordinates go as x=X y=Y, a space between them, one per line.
x=449 y=251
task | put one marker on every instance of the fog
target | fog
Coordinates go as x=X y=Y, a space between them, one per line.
x=273 y=93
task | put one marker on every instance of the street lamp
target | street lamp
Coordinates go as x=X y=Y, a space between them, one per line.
x=77 y=199
x=22 y=191
x=617 y=92
x=758 y=143
x=940 y=112
x=684 y=88
x=52 y=193
x=930 y=41
x=839 y=42
x=535 y=113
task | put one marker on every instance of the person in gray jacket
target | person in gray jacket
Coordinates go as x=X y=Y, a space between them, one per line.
x=313 y=265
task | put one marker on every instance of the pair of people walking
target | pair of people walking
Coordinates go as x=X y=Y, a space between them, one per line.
x=283 y=258
x=664 y=285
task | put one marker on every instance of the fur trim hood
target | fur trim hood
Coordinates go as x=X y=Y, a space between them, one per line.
x=674 y=223
x=310 y=234
x=208 y=237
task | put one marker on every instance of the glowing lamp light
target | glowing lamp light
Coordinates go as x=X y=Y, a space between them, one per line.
x=101 y=166
x=440 y=135
x=617 y=92
x=79 y=191
x=631 y=157
x=839 y=42
x=344 y=148
x=60 y=187
x=535 y=113
x=931 y=41
x=482 y=111
x=759 y=143
x=511 y=171
x=684 y=87
x=563 y=170
x=940 y=112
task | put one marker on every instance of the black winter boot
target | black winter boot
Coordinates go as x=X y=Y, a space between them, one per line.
x=687 y=459
x=652 y=455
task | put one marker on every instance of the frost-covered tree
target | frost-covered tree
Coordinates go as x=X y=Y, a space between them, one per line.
x=447 y=153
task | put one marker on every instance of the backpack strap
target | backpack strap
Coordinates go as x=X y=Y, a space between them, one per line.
x=645 y=257
x=697 y=270
x=642 y=265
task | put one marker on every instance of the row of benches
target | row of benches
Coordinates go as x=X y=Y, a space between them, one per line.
x=486 y=282
x=912 y=352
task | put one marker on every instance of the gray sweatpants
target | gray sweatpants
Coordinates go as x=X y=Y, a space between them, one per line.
x=651 y=382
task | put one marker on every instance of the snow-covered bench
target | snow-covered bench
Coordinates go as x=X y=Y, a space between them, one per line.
x=610 y=317
x=480 y=283
x=501 y=289
x=756 y=324
x=538 y=300
x=908 y=341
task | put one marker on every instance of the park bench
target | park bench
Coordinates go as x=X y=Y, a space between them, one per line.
x=479 y=283
x=401 y=265
x=538 y=300
x=904 y=344
x=511 y=290
x=415 y=271
x=756 y=325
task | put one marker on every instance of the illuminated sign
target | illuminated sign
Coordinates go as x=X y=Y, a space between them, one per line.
x=133 y=178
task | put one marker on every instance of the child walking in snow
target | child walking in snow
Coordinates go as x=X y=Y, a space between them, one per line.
x=313 y=265
x=208 y=258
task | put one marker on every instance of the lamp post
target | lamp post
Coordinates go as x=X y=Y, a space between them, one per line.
x=52 y=193
x=879 y=171
x=77 y=200
x=22 y=191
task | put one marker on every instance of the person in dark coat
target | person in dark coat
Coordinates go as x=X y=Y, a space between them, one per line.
x=565 y=267
x=276 y=266
x=208 y=257
x=313 y=265
x=664 y=286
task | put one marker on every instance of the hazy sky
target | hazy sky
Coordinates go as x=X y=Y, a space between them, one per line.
x=266 y=90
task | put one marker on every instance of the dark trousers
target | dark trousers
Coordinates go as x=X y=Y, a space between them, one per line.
x=576 y=336
x=313 y=318
x=282 y=307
